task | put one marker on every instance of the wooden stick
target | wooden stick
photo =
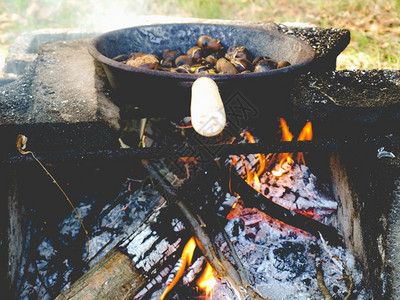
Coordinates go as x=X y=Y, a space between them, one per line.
x=113 y=277
x=321 y=283
x=126 y=269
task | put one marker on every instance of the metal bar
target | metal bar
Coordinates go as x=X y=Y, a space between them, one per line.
x=200 y=150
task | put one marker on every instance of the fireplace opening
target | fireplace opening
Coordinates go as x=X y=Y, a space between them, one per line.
x=281 y=255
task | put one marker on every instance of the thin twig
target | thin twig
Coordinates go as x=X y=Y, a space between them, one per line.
x=214 y=256
x=21 y=146
x=347 y=276
x=325 y=94
x=321 y=283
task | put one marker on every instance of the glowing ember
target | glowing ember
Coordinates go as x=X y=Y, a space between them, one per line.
x=286 y=180
x=186 y=259
x=207 y=280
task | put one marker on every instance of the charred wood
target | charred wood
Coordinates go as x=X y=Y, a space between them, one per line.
x=257 y=200
x=114 y=277
x=137 y=264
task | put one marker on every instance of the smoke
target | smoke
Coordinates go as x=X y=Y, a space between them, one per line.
x=90 y=14
x=106 y=15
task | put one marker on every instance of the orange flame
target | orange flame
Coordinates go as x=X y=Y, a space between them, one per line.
x=186 y=258
x=256 y=182
x=306 y=134
x=207 y=280
x=285 y=159
x=286 y=134
x=261 y=157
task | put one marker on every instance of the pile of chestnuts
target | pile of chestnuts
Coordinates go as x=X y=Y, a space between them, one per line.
x=208 y=56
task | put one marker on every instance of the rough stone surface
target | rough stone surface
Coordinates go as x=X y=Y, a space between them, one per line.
x=367 y=188
x=349 y=102
x=24 y=50
x=328 y=43
x=60 y=102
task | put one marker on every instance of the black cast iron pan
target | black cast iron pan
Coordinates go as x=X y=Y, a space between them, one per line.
x=159 y=93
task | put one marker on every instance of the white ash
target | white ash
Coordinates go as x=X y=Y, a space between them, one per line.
x=223 y=291
x=101 y=241
x=59 y=257
x=299 y=190
x=383 y=153
x=46 y=249
x=281 y=261
x=154 y=256
x=177 y=225
x=194 y=270
x=174 y=271
x=156 y=281
x=172 y=247
x=71 y=225
x=141 y=244
x=230 y=200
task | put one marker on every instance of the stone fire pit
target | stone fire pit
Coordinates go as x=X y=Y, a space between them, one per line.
x=63 y=104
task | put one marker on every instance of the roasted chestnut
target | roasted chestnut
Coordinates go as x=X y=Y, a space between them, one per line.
x=173 y=54
x=238 y=51
x=168 y=62
x=264 y=65
x=223 y=66
x=183 y=60
x=195 y=53
x=147 y=61
x=241 y=64
x=209 y=43
x=209 y=56
x=258 y=58
x=282 y=64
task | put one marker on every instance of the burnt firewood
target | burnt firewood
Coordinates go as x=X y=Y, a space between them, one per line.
x=114 y=277
x=139 y=263
x=259 y=201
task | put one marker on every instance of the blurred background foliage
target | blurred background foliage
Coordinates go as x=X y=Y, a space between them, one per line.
x=374 y=24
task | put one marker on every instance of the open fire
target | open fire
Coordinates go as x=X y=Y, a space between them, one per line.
x=281 y=260
x=278 y=260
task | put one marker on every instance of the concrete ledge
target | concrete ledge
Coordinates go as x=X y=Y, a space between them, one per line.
x=25 y=48
x=60 y=102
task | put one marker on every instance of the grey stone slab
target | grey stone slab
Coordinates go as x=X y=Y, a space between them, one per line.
x=344 y=102
x=60 y=102
x=24 y=50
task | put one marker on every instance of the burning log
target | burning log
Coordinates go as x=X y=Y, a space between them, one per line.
x=137 y=264
x=234 y=274
x=114 y=277
x=255 y=199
